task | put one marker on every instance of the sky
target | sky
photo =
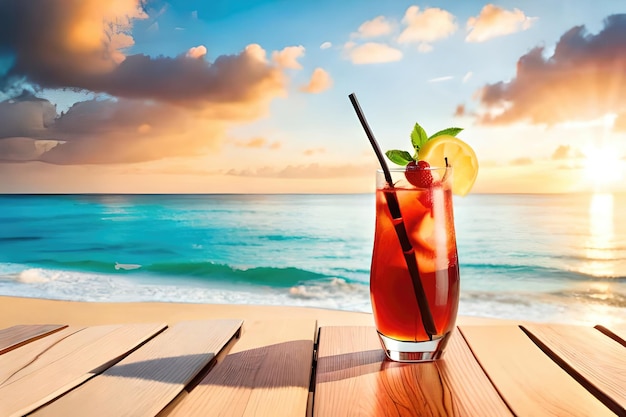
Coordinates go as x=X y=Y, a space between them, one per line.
x=251 y=96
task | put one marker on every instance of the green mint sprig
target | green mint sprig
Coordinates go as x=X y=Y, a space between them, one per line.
x=418 y=139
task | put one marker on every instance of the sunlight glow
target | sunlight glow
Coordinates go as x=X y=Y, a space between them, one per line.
x=600 y=246
x=603 y=166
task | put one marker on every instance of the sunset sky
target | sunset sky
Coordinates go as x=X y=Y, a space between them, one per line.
x=251 y=96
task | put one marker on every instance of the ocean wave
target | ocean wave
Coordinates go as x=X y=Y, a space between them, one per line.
x=209 y=271
x=35 y=275
x=593 y=296
x=275 y=277
x=12 y=239
x=524 y=271
x=332 y=288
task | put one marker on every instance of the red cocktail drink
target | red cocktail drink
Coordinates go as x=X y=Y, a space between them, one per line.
x=427 y=216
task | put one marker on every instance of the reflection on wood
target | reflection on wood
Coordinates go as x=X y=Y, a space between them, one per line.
x=354 y=378
x=459 y=369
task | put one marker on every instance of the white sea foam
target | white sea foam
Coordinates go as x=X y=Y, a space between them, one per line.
x=324 y=289
x=36 y=275
x=25 y=281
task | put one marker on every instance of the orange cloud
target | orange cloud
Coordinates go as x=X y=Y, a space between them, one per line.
x=583 y=80
x=116 y=130
x=320 y=81
x=566 y=152
x=521 y=161
x=197 y=51
x=81 y=43
x=60 y=39
x=562 y=152
x=620 y=123
x=313 y=151
x=494 y=21
x=257 y=143
x=372 y=53
x=159 y=107
x=310 y=171
x=378 y=26
x=288 y=57
x=426 y=27
x=253 y=143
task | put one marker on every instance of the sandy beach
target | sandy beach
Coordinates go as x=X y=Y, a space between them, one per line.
x=16 y=310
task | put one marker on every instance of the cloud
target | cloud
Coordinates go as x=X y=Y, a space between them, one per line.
x=562 y=152
x=110 y=131
x=314 y=151
x=426 y=27
x=620 y=122
x=60 y=38
x=152 y=107
x=521 y=161
x=372 y=53
x=288 y=57
x=196 y=52
x=82 y=44
x=310 y=171
x=376 y=27
x=424 y=48
x=257 y=143
x=566 y=152
x=494 y=21
x=584 y=79
x=25 y=115
x=441 y=79
x=106 y=131
x=467 y=76
x=326 y=45
x=320 y=81
x=460 y=110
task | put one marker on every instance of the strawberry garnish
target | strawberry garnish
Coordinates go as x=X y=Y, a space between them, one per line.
x=418 y=173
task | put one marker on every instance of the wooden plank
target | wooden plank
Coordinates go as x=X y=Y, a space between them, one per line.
x=619 y=335
x=266 y=373
x=45 y=374
x=476 y=394
x=594 y=360
x=27 y=359
x=16 y=336
x=144 y=382
x=354 y=378
x=527 y=379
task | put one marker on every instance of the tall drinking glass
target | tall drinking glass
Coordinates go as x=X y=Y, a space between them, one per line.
x=414 y=282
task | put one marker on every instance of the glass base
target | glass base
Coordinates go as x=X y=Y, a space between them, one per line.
x=400 y=351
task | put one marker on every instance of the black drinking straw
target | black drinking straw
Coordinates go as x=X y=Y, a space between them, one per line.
x=394 y=209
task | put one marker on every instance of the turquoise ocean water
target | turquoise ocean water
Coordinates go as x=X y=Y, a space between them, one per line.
x=540 y=257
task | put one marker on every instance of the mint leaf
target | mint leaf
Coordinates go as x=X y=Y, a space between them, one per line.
x=399 y=157
x=418 y=137
x=452 y=131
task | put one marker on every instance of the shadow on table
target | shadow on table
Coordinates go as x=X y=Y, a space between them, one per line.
x=285 y=364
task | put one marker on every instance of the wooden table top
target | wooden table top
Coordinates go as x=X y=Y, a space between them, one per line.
x=293 y=368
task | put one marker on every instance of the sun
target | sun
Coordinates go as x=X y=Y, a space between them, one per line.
x=603 y=166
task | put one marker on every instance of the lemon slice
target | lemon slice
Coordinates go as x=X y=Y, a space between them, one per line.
x=460 y=156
